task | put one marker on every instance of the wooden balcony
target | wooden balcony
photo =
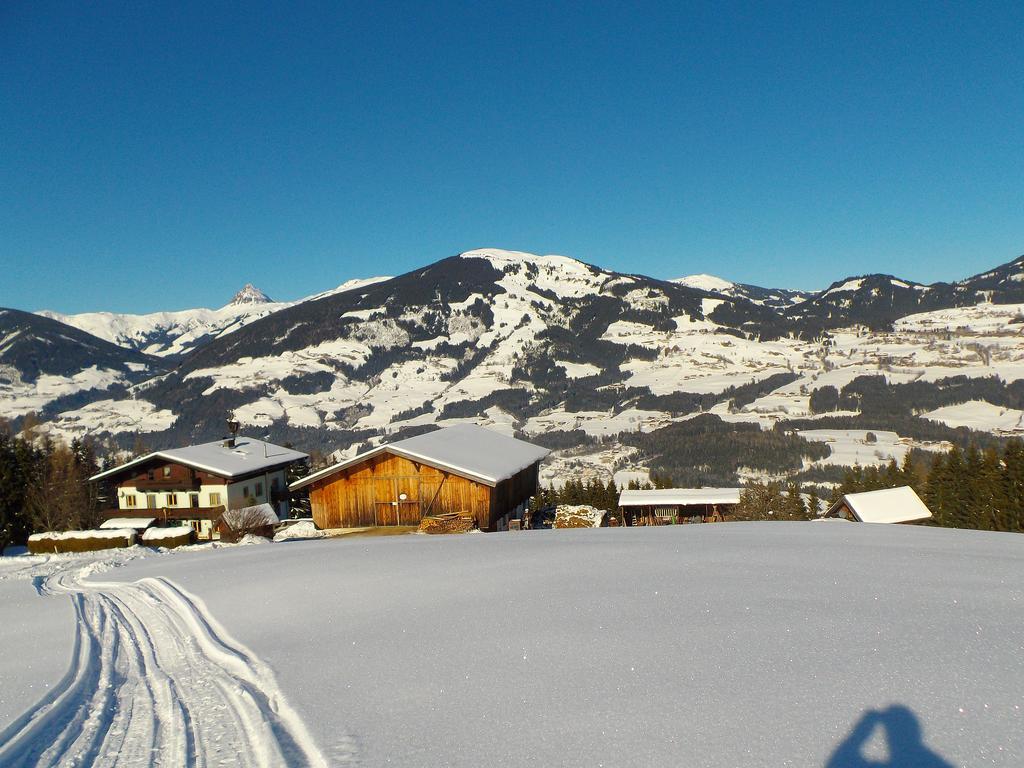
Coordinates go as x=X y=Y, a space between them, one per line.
x=168 y=484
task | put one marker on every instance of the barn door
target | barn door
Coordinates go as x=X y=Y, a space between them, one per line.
x=408 y=497
x=386 y=497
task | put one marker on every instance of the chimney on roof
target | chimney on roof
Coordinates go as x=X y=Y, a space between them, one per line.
x=229 y=442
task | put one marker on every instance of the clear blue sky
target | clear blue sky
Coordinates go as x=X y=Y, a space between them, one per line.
x=159 y=157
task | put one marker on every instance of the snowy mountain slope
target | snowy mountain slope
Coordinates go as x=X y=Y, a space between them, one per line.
x=477 y=326
x=776 y=298
x=43 y=361
x=573 y=354
x=174 y=334
x=877 y=301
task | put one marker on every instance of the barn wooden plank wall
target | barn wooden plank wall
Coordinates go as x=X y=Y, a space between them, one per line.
x=371 y=493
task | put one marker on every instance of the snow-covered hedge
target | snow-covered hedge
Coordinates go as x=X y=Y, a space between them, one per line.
x=168 y=538
x=79 y=541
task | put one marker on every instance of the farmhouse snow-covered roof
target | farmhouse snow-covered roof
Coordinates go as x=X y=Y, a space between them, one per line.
x=891 y=505
x=464 y=449
x=248 y=455
x=671 y=497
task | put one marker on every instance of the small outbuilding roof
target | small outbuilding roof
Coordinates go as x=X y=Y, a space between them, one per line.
x=259 y=514
x=246 y=456
x=673 y=497
x=138 y=523
x=891 y=505
x=464 y=449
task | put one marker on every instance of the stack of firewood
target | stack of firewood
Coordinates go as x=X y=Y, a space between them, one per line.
x=579 y=516
x=449 y=522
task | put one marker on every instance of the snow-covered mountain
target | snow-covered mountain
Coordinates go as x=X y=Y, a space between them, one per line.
x=44 y=362
x=250 y=294
x=607 y=366
x=174 y=334
x=776 y=298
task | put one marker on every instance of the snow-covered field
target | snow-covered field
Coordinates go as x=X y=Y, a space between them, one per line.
x=754 y=644
x=850 y=446
x=980 y=415
x=154 y=679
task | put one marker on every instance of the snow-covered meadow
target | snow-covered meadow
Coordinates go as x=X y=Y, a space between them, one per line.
x=720 y=645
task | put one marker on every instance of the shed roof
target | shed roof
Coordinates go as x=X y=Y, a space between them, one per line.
x=671 y=497
x=891 y=505
x=248 y=455
x=464 y=449
x=258 y=514
x=138 y=523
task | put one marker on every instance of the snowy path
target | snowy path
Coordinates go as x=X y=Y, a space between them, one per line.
x=154 y=680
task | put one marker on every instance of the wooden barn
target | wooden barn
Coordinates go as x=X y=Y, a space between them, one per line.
x=464 y=468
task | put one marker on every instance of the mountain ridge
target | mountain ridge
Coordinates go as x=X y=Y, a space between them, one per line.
x=570 y=353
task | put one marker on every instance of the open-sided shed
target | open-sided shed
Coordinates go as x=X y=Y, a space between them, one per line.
x=464 y=468
x=677 y=505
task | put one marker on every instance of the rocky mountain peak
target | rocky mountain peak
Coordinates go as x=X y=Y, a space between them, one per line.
x=250 y=294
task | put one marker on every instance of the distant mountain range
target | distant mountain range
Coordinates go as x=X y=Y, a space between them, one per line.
x=542 y=345
x=174 y=334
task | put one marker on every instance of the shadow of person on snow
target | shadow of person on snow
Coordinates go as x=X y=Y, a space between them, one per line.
x=902 y=738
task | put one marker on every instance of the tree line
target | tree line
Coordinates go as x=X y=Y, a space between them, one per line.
x=44 y=486
x=963 y=487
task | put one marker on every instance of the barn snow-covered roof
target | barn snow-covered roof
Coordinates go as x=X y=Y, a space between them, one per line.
x=246 y=456
x=464 y=449
x=891 y=505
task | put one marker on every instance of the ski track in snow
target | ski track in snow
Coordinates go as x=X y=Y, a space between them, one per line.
x=154 y=680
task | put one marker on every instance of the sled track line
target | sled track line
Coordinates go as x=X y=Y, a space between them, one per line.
x=155 y=680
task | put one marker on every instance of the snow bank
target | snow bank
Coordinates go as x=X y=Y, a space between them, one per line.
x=252 y=538
x=37 y=637
x=304 y=529
x=754 y=644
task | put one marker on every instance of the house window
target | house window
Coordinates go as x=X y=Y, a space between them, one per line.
x=273 y=483
x=150 y=475
x=130 y=502
x=259 y=490
x=167 y=471
x=245 y=491
x=172 y=499
x=215 y=499
x=193 y=500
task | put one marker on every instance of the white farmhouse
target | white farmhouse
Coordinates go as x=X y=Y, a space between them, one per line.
x=194 y=485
